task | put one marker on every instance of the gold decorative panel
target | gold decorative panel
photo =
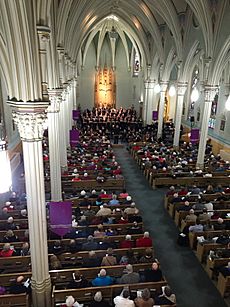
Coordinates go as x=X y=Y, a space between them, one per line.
x=105 y=88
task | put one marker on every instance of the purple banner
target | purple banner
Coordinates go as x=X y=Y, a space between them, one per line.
x=75 y=114
x=60 y=217
x=195 y=135
x=74 y=137
x=155 y=115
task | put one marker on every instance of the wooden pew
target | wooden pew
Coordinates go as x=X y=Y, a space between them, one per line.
x=223 y=284
x=204 y=248
x=17 y=222
x=7 y=279
x=63 y=277
x=14 y=264
x=206 y=234
x=215 y=263
x=116 y=239
x=109 y=184
x=77 y=258
x=188 y=181
x=85 y=295
x=14 y=300
x=18 y=232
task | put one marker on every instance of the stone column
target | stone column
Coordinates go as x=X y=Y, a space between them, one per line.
x=75 y=93
x=30 y=119
x=181 y=89
x=209 y=94
x=54 y=147
x=61 y=64
x=63 y=139
x=149 y=94
x=164 y=85
x=70 y=105
x=43 y=35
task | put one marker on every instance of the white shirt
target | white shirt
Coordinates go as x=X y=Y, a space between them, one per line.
x=120 y=301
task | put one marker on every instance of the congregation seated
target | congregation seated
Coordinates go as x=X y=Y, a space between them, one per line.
x=102 y=279
x=127 y=243
x=146 y=241
x=166 y=298
x=79 y=281
x=90 y=244
x=129 y=258
x=198 y=227
x=148 y=257
x=7 y=251
x=98 y=301
x=129 y=277
x=20 y=286
x=109 y=258
x=92 y=260
x=153 y=274
x=71 y=302
x=54 y=263
x=10 y=237
x=145 y=300
x=123 y=299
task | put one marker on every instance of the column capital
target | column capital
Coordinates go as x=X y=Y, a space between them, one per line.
x=181 y=88
x=164 y=85
x=61 y=52
x=210 y=92
x=30 y=119
x=55 y=100
x=149 y=84
x=43 y=33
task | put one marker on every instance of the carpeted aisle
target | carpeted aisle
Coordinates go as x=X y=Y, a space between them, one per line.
x=181 y=268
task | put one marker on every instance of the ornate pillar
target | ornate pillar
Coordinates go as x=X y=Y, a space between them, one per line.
x=164 y=85
x=30 y=119
x=54 y=147
x=181 y=89
x=149 y=94
x=44 y=36
x=75 y=93
x=63 y=139
x=61 y=64
x=70 y=105
x=209 y=94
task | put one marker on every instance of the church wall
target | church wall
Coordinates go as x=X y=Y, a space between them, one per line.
x=11 y=130
x=168 y=42
x=128 y=88
x=87 y=80
x=223 y=32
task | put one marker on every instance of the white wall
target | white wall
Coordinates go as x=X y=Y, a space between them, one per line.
x=129 y=89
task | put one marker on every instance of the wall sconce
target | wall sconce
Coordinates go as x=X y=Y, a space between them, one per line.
x=157 y=88
x=172 y=91
x=227 y=104
x=195 y=95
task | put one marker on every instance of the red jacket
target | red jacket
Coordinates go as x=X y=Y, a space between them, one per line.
x=126 y=244
x=144 y=242
x=8 y=253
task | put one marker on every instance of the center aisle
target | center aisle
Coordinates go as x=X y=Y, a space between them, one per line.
x=183 y=271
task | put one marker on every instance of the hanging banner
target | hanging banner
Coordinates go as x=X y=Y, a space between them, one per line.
x=195 y=135
x=60 y=217
x=75 y=114
x=155 y=115
x=74 y=137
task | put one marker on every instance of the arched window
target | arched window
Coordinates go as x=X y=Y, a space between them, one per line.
x=212 y=119
x=222 y=122
x=136 y=63
x=195 y=79
x=198 y=115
